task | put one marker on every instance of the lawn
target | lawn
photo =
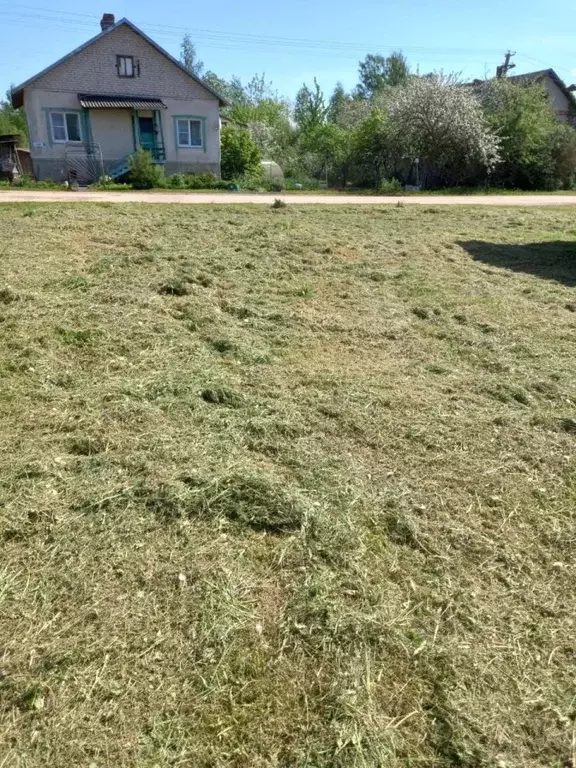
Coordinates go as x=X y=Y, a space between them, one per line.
x=287 y=488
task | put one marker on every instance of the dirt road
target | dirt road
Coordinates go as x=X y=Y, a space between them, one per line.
x=188 y=198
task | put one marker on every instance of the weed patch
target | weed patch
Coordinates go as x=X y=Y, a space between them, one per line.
x=174 y=287
x=221 y=396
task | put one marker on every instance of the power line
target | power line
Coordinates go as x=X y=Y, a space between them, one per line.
x=218 y=40
x=244 y=38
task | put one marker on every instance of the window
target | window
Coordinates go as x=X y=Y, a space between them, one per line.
x=65 y=126
x=125 y=66
x=189 y=132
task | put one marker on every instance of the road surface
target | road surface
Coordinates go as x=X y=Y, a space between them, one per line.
x=191 y=198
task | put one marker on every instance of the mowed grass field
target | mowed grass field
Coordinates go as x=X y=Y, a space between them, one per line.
x=287 y=487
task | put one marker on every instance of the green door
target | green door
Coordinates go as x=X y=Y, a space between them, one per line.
x=147 y=135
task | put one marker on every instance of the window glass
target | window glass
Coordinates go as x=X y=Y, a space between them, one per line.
x=65 y=126
x=189 y=133
x=58 y=126
x=125 y=66
x=183 y=135
x=195 y=133
x=73 y=126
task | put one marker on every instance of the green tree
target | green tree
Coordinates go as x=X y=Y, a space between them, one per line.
x=12 y=120
x=377 y=72
x=239 y=154
x=374 y=151
x=259 y=103
x=310 y=108
x=329 y=151
x=232 y=90
x=189 y=56
x=398 y=69
x=337 y=103
x=536 y=150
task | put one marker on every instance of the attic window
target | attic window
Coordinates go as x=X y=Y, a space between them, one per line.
x=125 y=66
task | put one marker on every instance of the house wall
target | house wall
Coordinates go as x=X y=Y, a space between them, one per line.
x=93 y=70
x=558 y=100
x=112 y=129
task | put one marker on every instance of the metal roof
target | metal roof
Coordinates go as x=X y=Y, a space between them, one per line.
x=18 y=92
x=105 y=101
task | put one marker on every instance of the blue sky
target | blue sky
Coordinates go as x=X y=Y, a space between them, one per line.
x=296 y=40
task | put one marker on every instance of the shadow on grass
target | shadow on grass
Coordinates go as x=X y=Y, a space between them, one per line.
x=554 y=260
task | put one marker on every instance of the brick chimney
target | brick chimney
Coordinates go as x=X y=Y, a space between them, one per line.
x=107 y=21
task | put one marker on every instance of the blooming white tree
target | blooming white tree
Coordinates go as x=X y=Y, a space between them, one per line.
x=440 y=121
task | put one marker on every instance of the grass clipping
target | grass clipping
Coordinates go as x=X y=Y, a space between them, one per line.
x=287 y=488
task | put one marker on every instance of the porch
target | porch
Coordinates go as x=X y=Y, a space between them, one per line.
x=119 y=125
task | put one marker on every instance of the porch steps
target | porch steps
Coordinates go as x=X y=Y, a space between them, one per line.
x=119 y=169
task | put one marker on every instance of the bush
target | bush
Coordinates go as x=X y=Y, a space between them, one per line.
x=143 y=173
x=177 y=181
x=563 y=157
x=239 y=154
x=391 y=187
x=28 y=182
x=107 y=183
x=203 y=181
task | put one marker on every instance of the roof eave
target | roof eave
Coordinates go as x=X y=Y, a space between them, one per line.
x=17 y=94
x=17 y=97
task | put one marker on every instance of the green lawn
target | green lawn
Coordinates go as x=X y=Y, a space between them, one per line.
x=287 y=488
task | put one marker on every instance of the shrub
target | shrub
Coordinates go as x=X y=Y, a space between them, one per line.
x=391 y=187
x=203 y=181
x=28 y=182
x=143 y=173
x=239 y=154
x=563 y=157
x=107 y=183
x=177 y=181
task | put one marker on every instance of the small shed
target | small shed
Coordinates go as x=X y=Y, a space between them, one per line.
x=10 y=165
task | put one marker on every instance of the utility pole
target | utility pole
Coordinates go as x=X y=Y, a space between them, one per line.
x=502 y=69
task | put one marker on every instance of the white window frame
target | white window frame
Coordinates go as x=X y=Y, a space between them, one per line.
x=189 y=120
x=67 y=140
x=121 y=59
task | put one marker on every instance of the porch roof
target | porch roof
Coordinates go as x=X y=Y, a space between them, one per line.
x=106 y=101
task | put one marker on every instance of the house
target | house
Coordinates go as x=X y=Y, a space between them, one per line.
x=560 y=95
x=89 y=111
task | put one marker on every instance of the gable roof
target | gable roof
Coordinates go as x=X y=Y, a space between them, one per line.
x=530 y=77
x=18 y=92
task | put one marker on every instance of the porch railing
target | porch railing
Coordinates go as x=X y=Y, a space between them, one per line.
x=158 y=152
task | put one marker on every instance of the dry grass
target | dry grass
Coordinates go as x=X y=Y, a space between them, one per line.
x=287 y=488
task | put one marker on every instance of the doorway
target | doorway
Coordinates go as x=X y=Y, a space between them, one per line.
x=147 y=133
